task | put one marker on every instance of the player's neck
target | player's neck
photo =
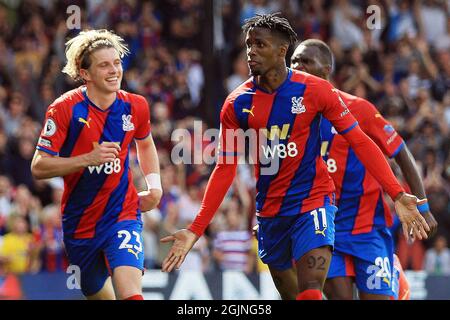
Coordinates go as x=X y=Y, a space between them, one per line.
x=101 y=99
x=273 y=78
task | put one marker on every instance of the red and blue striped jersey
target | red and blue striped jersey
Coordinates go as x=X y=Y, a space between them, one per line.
x=359 y=196
x=290 y=118
x=98 y=196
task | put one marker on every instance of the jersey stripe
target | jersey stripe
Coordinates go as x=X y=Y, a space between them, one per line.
x=382 y=213
x=115 y=202
x=262 y=114
x=79 y=110
x=349 y=128
x=70 y=146
x=400 y=147
x=112 y=131
x=266 y=183
x=367 y=205
x=47 y=150
x=349 y=203
x=132 y=212
x=244 y=101
x=300 y=179
x=337 y=154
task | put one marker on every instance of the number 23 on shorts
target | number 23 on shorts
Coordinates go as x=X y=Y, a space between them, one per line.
x=134 y=249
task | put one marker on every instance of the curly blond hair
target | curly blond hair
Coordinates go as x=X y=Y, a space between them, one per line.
x=79 y=49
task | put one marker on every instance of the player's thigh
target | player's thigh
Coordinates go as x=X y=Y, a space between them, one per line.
x=286 y=282
x=124 y=253
x=274 y=241
x=340 y=277
x=312 y=268
x=88 y=256
x=312 y=243
x=339 y=288
x=127 y=281
x=105 y=293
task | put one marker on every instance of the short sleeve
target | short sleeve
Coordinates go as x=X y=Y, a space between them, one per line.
x=143 y=118
x=55 y=128
x=334 y=108
x=380 y=130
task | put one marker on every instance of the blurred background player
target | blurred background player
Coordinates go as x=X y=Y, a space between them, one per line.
x=364 y=249
x=86 y=139
x=295 y=203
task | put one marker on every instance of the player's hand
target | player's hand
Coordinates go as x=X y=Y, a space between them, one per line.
x=183 y=241
x=149 y=199
x=413 y=223
x=103 y=153
x=432 y=223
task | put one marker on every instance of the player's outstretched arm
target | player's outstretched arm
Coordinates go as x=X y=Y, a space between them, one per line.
x=45 y=166
x=149 y=163
x=407 y=164
x=414 y=225
x=183 y=240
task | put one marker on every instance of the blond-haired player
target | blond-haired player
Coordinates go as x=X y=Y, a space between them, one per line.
x=86 y=139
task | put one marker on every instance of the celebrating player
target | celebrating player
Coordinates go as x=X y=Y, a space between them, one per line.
x=295 y=204
x=86 y=139
x=363 y=243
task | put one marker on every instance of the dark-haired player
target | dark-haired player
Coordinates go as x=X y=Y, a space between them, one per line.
x=363 y=243
x=295 y=203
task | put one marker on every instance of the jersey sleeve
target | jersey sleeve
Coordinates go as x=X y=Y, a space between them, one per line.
x=224 y=171
x=55 y=128
x=331 y=105
x=143 y=118
x=380 y=130
x=231 y=135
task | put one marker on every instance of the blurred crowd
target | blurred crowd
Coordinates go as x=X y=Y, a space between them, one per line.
x=402 y=66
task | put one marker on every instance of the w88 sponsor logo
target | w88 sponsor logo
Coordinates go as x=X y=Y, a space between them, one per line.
x=107 y=168
x=280 y=150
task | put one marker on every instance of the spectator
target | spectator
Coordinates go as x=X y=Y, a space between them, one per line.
x=401 y=19
x=5 y=202
x=51 y=253
x=150 y=238
x=232 y=246
x=437 y=259
x=17 y=247
x=240 y=73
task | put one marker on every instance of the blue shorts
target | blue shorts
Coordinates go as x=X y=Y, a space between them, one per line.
x=368 y=257
x=98 y=257
x=282 y=239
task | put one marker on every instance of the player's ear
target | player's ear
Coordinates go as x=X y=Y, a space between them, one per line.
x=328 y=69
x=84 y=74
x=283 y=49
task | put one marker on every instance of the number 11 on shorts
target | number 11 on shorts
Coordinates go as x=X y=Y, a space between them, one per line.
x=318 y=228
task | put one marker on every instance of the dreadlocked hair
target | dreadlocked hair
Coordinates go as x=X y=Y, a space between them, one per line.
x=274 y=23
